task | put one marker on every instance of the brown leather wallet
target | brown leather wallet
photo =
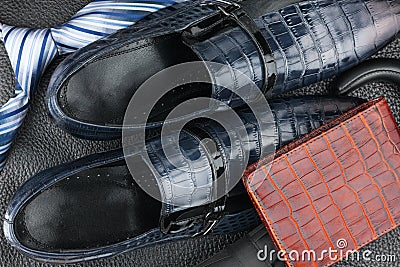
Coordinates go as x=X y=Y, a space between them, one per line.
x=336 y=189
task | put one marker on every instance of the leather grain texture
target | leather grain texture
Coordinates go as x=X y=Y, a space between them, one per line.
x=315 y=40
x=310 y=41
x=341 y=182
x=41 y=145
x=292 y=118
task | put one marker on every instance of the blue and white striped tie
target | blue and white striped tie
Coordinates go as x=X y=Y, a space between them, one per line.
x=30 y=51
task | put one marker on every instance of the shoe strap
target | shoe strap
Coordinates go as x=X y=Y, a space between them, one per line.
x=308 y=111
x=232 y=37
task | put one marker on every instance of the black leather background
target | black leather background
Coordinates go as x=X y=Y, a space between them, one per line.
x=41 y=145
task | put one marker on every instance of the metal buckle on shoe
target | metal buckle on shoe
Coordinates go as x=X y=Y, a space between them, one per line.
x=226 y=7
x=197 y=31
x=208 y=221
x=211 y=220
x=174 y=227
x=232 y=12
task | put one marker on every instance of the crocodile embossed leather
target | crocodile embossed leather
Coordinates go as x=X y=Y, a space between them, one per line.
x=280 y=50
x=337 y=188
x=312 y=41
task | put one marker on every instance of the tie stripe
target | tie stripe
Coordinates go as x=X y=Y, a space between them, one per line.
x=102 y=18
x=31 y=51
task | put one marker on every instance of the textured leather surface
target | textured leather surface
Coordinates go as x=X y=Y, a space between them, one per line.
x=97 y=186
x=340 y=182
x=69 y=184
x=315 y=40
x=243 y=251
x=234 y=48
x=41 y=145
x=292 y=118
x=311 y=41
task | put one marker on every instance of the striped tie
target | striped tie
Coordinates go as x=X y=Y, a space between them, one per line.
x=31 y=51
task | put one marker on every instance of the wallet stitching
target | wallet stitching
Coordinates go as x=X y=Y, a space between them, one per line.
x=265 y=218
x=374 y=107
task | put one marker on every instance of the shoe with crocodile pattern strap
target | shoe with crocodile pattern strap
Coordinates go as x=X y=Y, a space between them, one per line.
x=93 y=207
x=258 y=241
x=336 y=189
x=281 y=50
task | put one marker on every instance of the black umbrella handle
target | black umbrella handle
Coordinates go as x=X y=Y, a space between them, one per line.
x=373 y=70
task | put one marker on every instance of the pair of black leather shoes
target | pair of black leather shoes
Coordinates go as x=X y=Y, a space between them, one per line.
x=94 y=207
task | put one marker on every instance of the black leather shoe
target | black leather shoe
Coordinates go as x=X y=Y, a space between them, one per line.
x=279 y=51
x=93 y=207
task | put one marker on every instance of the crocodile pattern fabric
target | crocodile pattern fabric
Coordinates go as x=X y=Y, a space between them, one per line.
x=336 y=188
x=233 y=48
x=311 y=41
x=304 y=50
x=315 y=40
x=291 y=118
